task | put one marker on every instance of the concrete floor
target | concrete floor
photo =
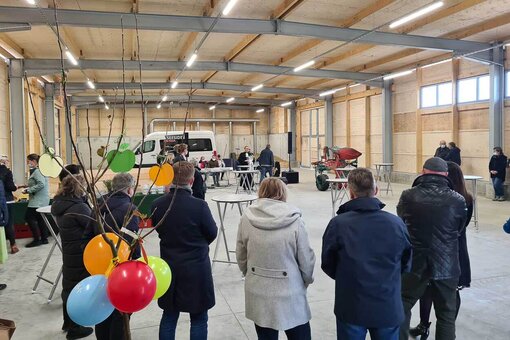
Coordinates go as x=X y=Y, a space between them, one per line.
x=483 y=315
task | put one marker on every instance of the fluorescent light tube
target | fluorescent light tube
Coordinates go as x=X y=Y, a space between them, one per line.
x=229 y=7
x=174 y=84
x=353 y=85
x=4 y=58
x=192 y=59
x=437 y=63
x=260 y=110
x=32 y=2
x=327 y=93
x=398 y=74
x=91 y=84
x=305 y=65
x=417 y=14
x=71 y=58
x=159 y=106
x=230 y=100
x=165 y=97
x=101 y=99
x=212 y=107
x=106 y=106
x=258 y=87
x=286 y=104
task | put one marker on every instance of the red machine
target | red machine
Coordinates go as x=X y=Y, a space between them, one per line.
x=341 y=157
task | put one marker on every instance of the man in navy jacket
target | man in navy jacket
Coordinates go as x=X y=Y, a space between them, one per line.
x=365 y=250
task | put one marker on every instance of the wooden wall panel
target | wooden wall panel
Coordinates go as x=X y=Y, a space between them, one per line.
x=404 y=149
x=404 y=96
x=5 y=146
x=339 y=124
x=474 y=119
x=469 y=68
x=437 y=74
x=404 y=122
x=357 y=127
x=437 y=122
x=475 y=158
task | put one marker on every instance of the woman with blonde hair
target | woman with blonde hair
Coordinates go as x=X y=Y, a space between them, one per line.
x=274 y=254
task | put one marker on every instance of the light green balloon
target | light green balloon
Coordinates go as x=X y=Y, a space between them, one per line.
x=162 y=273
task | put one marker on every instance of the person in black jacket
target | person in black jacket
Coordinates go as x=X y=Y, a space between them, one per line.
x=435 y=216
x=72 y=217
x=185 y=234
x=266 y=161
x=4 y=216
x=199 y=187
x=367 y=272
x=245 y=159
x=10 y=187
x=497 y=168
x=442 y=151
x=453 y=154
x=459 y=185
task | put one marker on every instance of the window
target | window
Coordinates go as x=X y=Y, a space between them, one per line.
x=507 y=84
x=200 y=145
x=474 y=89
x=149 y=146
x=436 y=95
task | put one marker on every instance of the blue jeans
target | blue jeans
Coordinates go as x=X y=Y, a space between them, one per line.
x=198 y=330
x=499 y=189
x=301 y=332
x=264 y=170
x=346 y=331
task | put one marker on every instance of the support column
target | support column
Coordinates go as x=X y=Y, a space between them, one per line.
x=387 y=123
x=49 y=115
x=17 y=118
x=293 y=129
x=230 y=131
x=329 y=121
x=496 y=109
x=255 y=146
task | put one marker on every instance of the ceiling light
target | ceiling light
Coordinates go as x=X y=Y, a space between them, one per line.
x=32 y=2
x=327 y=93
x=101 y=99
x=417 y=14
x=4 y=58
x=106 y=106
x=159 y=106
x=192 y=59
x=40 y=82
x=90 y=84
x=258 y=87
x=305 y=65
x=286 y=104
x=174 y=84
x=165 y=97
x=353 y=85
x=230 y=100
x=212 y=107
x=260 y=110
x=229 y=7
x=399 y=74
x=437 y=63
x=71 y=58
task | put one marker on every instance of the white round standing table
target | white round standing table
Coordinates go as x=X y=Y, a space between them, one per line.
x=225 y=200
x=338 y=191
x=474 y=182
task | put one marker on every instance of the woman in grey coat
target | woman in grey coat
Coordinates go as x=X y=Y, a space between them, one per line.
x=274 y=254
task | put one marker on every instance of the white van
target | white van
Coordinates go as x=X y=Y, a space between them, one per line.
x=200 y=143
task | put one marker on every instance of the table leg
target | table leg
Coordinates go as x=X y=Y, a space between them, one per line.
x=222 y=231
x=475 y=203
x=55 y=284
x=40 y=276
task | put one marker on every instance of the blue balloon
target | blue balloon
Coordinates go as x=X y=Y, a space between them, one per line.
x=88 y=303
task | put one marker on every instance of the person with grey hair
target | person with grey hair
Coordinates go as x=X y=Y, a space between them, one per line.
x=435 y=216
x=365 y=250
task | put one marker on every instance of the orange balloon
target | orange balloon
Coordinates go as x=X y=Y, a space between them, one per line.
x=98 y=256
x=163 y=175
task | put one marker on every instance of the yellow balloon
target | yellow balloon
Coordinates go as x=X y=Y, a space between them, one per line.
x=98 y=255
x=163 y=175
x=50 y=166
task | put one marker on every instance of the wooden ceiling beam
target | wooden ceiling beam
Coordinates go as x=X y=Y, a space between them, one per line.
x=12 y=48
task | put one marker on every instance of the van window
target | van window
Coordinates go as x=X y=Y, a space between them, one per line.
x=201 y=144
x=149 y=146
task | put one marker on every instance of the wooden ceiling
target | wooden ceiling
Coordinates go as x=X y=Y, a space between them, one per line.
x=475 y=20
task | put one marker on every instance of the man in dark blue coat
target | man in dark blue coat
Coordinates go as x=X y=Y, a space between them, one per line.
x=365 y=250
x=185 y=232
x=4 y=216
x=266 y=161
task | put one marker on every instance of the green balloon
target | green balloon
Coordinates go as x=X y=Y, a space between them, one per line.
x=162 y=273
x=121 y=161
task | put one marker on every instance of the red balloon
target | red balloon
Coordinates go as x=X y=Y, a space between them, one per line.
x=131 y=286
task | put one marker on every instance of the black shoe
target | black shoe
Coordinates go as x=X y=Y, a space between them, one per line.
x=79 y=332
x=421 y=330
x=45 y=241
x=3 y=286
x=34 y=243
x=65 y=326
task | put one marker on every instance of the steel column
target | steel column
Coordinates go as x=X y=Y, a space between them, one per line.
x=497 y=98
x=17 y=119
x=387 y=122
x=230 y=131
x=293 y=129
x=255 y=146
x=329 y=121
x=49 y=115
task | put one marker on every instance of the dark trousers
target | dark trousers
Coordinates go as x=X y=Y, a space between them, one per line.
x=264 y=171
x=36 y=224
x=444 y=298
x=198 y=329
x=9 y=227
x=301 y=332
x=499 y=189
x=426 y=306
x=345 y=331
x=70 y=324
x=111 y=328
